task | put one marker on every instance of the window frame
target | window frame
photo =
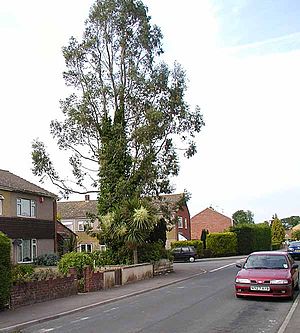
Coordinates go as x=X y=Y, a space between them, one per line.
x=33 y=251
x=180 y=222
x=1 y=204
x=32 y=207
x=86 y=247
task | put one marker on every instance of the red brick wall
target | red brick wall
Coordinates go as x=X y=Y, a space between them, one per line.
x=93 y=281
x=44 y=290
x=211 y=220
x=186 y=230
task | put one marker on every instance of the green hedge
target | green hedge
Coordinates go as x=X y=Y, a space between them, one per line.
x=197 y=244
x=222 y=244
x=5 y=270
x=276 y=245
x=252 y=237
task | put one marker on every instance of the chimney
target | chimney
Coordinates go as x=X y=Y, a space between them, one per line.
x=87 y=197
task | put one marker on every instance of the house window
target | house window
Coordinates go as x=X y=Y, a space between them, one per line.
x=1 y=204
x=80 y=226
x=85 y=247
x=27 y=250
x=26 y=207
x=180 y=222
x=185 y=223
x=68 y=224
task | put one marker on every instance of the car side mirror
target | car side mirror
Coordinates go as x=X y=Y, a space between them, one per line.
x=295 y=266
x=238 y=265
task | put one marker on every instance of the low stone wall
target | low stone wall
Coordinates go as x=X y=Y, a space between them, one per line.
x=98 y=280
x=39 y=291
x=136 y=272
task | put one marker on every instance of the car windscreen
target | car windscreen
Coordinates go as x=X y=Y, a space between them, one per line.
x=266 y=262
x=292 y=244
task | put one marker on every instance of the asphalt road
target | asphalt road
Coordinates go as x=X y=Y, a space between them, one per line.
x=202 y=304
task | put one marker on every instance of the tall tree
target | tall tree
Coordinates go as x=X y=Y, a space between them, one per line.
x=290 y=222
x=277 y=229
x=127 y=114
x=242 y=217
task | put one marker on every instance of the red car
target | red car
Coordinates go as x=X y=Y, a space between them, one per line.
x=268 y=273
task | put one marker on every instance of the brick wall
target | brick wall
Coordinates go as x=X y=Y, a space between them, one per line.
x=44 y=290
x=211 y=220
x=93 y=281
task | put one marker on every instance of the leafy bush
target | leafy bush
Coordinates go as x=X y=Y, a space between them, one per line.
x=296 y=234
x=5 y=270
x=276 y=245
x=102 y=258
x=22 y=273
x=222 y=243
x=76 y=260
x=197 y=244
x=252 y=237
x=50 y=259
x=152 y=252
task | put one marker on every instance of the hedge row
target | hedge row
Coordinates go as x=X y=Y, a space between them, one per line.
x=5 y=270
x=222 y=244
x=252 y=237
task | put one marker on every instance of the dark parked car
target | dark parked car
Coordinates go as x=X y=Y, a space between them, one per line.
x=184 y=253
x=294 y=249
x=267 y=273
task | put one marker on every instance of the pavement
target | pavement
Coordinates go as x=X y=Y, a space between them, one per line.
x=15 y=320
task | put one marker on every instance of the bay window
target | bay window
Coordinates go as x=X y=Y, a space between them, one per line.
x=27 y=250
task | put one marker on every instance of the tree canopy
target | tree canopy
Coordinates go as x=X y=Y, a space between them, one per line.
x=277 y=229
x=243 y=217
x=126 y=118
x=126 y=123
x=290 y=222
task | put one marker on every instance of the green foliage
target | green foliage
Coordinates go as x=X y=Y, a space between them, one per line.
x=278 y=232
x=222 y=243
x=197 y=244
x=153 y=252
x=159 y=233
x=102 y=258
x=252 y=237
x=50 y=259
x=242 y=217
x=76 y=260
x=22 y=273
x=276 y=246
x=290 y=222
x=127 y=113
x=5 y=270
x=296 y=234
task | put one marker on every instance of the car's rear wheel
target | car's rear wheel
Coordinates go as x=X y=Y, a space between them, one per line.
x=191 y=259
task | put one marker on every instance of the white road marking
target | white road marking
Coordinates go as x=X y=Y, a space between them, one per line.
x=217 y=269
x=78 y=320
x=289 y=316
x=112 y=309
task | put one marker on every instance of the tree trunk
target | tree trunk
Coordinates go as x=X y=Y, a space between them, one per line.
x=135 y=256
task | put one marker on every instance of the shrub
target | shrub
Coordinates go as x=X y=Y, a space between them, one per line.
x=102 y=258
x=152 y=252
x=197 y=244
x=22 y=273
x=50 y=259
x=5 y=270
x=276 y=245
x=76 y=260
x=252 y=237
x=296 y=234
x=222 y=243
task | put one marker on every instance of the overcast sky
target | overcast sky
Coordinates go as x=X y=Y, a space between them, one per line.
x=242 y=58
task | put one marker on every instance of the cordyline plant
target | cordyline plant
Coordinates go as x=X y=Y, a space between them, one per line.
x=127 y=113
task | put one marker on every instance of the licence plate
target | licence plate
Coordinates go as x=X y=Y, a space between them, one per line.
x=260 y=288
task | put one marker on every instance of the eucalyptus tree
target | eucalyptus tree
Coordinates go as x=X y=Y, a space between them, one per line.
x=126 y=122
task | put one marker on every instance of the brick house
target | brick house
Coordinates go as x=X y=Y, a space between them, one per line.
x=182 y=229
x=27 y=217
x=73 y=214
x=211 y=220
